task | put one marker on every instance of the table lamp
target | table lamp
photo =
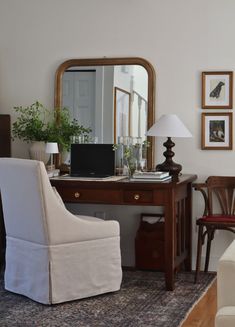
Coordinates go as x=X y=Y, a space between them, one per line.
x=51 y=147
x=169 y=126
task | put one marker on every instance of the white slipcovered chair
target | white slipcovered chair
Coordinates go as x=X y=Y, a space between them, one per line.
x=225 y=316
x=52 y=255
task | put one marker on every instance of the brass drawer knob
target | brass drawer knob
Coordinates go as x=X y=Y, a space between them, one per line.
x=77 y=195
x=136 y=196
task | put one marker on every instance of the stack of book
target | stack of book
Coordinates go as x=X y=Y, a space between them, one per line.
x=151 y=176
x=53 y=173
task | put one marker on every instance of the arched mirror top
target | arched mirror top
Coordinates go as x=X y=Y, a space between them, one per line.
x=115 y=97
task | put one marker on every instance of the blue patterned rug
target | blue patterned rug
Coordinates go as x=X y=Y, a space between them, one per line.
x=141 y=302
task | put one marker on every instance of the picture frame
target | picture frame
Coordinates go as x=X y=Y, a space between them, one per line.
x=217 y=131
x=122 y=108
x=217 y=90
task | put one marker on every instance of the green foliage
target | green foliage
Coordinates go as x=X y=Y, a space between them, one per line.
x=31 y=125
x=37 y=123
x=62 y=129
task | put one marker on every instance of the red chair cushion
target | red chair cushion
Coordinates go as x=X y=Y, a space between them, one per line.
x=218 y=218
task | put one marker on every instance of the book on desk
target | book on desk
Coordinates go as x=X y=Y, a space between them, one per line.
x=152 y=176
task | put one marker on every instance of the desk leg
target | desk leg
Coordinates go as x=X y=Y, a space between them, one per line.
x=188 y=229
x=170 y=222
x=2 y=237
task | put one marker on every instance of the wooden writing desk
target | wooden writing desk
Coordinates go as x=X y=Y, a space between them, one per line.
x=175 y=197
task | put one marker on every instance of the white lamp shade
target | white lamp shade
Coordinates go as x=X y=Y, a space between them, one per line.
x=169 y=126
x=52 y=147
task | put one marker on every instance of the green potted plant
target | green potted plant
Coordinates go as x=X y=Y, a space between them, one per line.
x=61 y=129
x=31 y=126
x=38 y=125
x=31 y=123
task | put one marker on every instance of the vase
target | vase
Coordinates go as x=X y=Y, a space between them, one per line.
x=37 y=151
x=119 y=164
x=130 y=163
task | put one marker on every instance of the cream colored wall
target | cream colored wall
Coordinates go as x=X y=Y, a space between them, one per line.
x=180 y=38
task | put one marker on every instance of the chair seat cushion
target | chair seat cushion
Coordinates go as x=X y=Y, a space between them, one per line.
x=218 y=218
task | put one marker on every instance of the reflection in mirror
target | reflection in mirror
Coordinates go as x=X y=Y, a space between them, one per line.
x=114 y=97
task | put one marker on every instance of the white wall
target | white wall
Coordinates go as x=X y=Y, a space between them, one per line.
x=180 y=38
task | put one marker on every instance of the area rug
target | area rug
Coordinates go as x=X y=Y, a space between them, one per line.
x=141 y=302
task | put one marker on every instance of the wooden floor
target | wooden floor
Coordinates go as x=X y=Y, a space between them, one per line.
x=203 y=314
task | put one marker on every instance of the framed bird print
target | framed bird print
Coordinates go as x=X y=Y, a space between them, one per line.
x=217 y=90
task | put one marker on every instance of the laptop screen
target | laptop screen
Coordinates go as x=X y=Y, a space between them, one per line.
x=92 y=160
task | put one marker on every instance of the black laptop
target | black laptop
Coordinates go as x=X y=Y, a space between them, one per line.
x=92 y=160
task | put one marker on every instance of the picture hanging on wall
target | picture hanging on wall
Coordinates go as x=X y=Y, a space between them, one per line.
x=122 y=103
x=216 y=133
x=217 y=90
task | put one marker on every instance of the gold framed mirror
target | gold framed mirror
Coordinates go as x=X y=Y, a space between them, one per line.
x=102 y=77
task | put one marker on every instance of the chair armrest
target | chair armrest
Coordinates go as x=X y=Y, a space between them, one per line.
x=58 y=196
x=202 y=187
x=225 y=278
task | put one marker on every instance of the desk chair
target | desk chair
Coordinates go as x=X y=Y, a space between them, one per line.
x=220 y=188
x=52 y=255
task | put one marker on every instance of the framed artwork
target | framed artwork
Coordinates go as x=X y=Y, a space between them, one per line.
x=217 y=90
x=216 y=131
x=122 y=104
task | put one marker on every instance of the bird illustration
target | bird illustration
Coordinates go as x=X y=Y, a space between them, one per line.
x=215 y=93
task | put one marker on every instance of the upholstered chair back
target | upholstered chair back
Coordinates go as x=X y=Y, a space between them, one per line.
x=53 y=256
x=22 y=199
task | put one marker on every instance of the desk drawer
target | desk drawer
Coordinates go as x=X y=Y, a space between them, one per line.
x=134 y=197
x=90 y=195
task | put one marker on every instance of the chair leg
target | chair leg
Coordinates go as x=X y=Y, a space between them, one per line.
x=199 y=252
x=210 y=236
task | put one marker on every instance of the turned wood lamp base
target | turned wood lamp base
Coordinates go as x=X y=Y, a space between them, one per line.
x=169 y=165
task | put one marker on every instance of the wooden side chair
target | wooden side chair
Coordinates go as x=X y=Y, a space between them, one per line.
x=219 y=190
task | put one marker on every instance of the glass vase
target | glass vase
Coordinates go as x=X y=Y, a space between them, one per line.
x=119 y=162
x=131 y=166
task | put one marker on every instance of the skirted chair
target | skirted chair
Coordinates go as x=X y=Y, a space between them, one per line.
x=219 y=213
x=53 y=256
x=225 y=316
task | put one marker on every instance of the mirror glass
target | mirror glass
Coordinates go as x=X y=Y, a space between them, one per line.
x=112 y=96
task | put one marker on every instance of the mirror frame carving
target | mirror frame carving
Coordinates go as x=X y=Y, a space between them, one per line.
x=110 y=62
